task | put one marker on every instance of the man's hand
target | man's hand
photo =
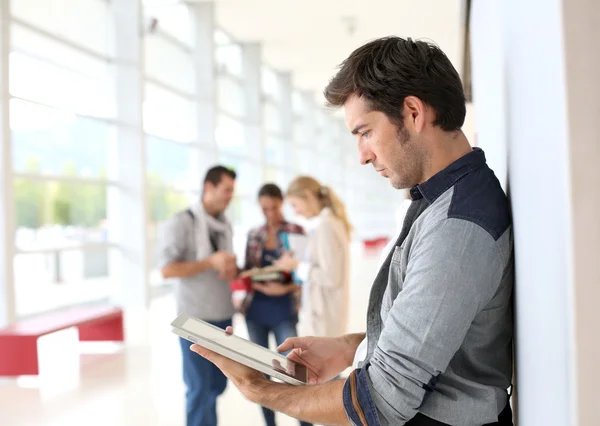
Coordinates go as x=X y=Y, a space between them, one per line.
x=225 y=264
x=319 y=404
x=272 y=288
x=325 y=357
x=247 y=380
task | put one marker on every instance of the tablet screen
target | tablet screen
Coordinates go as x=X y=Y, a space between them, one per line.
x=246 y=349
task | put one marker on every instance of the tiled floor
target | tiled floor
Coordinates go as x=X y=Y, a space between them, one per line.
x=135 y=384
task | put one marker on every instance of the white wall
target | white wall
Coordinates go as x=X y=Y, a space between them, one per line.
x=537 y=99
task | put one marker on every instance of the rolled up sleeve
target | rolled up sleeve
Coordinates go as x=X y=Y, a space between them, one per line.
x=453 y=272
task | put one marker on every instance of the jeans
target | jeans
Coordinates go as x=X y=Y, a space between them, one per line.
x=259 y=334
x=204 y=383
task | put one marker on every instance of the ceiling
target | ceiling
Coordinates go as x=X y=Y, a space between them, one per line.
x=311 y=37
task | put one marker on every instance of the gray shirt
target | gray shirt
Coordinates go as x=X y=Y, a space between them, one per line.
x=202 y=296
x=439 y=322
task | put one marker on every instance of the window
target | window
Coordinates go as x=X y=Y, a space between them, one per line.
x=43 y=82
x=272 y=118
x=230 y=96
x=249 y=174
x=47 y=141
x=29 y=42
x=59 y=278
x=278 y=175
x=173 y=19
x=168 y=115
x=177 y=71
x=84 y=22
x=63 y=143
x=229 y=135
x=172 y=164
x=229 y=59
x=275 y=151
x=303 y=159
x=52 y=213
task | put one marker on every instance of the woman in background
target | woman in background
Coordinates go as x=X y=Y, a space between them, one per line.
x=272 y=309
x=325 y=267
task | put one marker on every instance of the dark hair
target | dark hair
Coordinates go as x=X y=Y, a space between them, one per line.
x=215 y=174
x=270 y=190
x=387 y=70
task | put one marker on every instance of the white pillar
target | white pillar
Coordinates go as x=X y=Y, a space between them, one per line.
x=253 y=127
x=203 y=20
x=127 y=204
x=537 y=99
x=7 y=237
x=287 y=119
x=582 y=57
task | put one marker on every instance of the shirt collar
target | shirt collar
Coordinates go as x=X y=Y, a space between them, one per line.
x=444 y=180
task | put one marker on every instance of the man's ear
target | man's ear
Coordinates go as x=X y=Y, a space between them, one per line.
x=414 y=113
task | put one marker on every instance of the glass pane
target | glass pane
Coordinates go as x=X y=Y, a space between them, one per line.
x=302 y=133
x=173 y=19
x=230 y=96
x=221 y=38
x=24 y=40
x=244 y=214
x=177 y=71
x=84 y=22
x=43 y=82
x=229 y=135
x=60 y=279
x=278 y=176
x=51 y=213
x=272 y=119
x=168 y=115
x=172 y=164
x=49 y=141
x=249 y=175
x=274 y=151
x=229 y=59
x=303 y=160
x=164 y=203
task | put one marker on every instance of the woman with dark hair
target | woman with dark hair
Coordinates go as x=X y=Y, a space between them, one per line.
x=272 y=309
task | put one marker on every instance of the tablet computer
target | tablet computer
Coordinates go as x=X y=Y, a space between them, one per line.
x=240 y=350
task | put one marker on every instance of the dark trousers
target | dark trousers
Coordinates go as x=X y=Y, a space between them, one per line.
x=204 y=383
x=504 y=419
x=259 y=334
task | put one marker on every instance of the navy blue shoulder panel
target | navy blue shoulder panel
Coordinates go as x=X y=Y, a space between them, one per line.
x=479 y=198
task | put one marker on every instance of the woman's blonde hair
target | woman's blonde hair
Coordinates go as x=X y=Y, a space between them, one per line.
x=301 y=186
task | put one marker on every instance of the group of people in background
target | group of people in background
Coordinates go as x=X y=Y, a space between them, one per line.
x=197 y=249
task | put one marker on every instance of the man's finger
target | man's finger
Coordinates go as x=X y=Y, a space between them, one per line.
x=291 y=343
x=213 y=357
x=229 y=330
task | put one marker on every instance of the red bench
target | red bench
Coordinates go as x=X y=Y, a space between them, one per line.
x=18 y=342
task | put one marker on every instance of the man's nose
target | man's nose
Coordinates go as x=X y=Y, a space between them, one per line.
x=365 y=155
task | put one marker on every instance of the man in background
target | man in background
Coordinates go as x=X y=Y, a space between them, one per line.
x=197 y=250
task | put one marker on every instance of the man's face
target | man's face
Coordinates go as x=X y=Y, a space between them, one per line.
x=220 y=195
x=395 y=153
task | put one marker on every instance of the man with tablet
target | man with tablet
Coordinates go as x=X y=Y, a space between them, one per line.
x=439 y=319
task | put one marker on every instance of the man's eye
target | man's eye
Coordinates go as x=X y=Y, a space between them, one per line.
x=365 y=134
